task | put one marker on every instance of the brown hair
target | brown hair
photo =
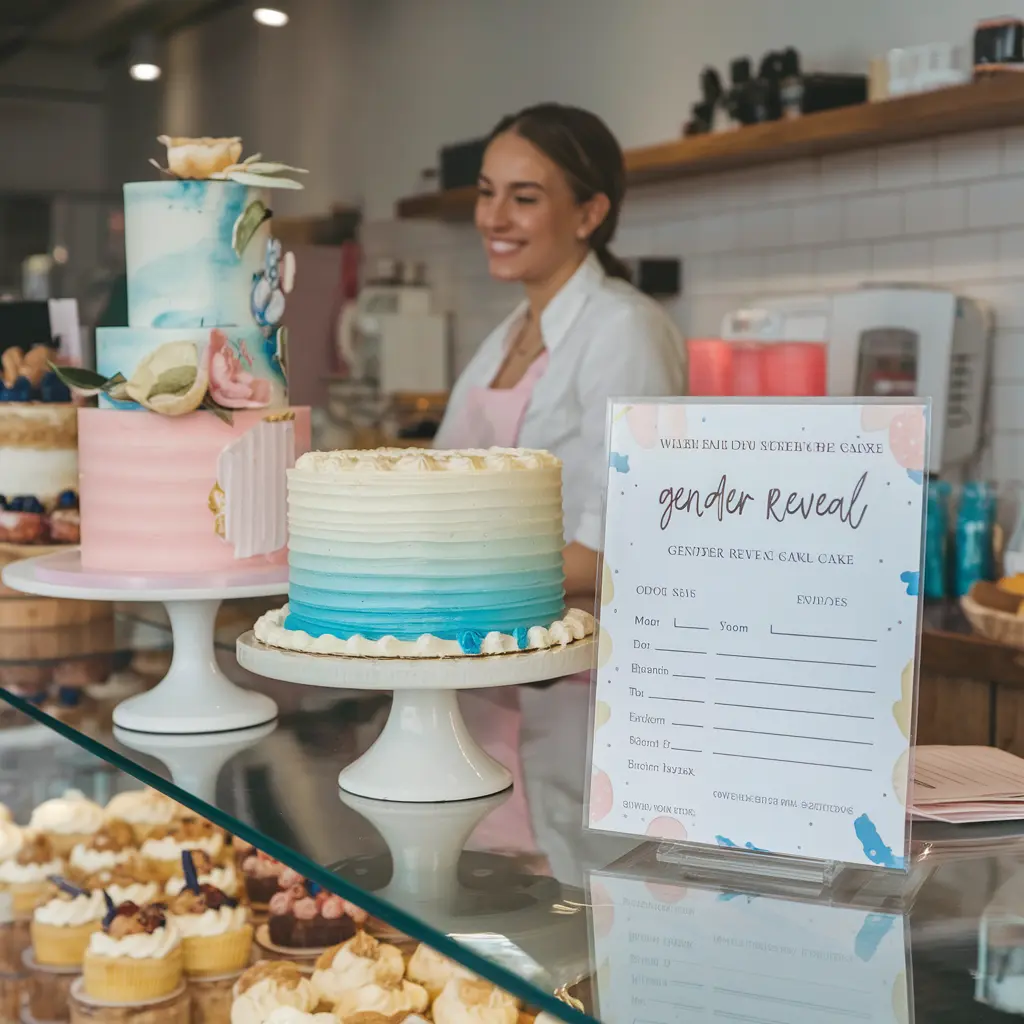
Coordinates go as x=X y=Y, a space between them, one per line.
x=589 y=156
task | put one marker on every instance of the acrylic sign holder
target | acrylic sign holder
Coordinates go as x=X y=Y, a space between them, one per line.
x=425 y=753
x=195 y=696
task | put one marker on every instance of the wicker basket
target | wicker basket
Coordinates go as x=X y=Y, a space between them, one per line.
x=1002 y=627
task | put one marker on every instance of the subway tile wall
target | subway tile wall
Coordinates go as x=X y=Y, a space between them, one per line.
x=948 y=212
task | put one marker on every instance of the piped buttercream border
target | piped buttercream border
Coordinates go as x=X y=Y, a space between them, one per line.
x=270 y=630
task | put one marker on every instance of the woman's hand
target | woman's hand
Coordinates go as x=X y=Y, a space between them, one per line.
x=580 y=566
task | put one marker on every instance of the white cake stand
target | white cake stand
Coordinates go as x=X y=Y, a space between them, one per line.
x=195 y=696
x=425 y=753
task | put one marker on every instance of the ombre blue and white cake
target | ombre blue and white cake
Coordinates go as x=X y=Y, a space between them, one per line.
x=415 y=553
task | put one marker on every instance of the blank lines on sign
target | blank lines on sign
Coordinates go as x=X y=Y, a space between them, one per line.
x=682 y=625
x=794 y=711
x=798 y=661
x=793 y=736
x=791 y=686
x=821 y=636
x=788 y=760
x=683 y=675
x=680 y=700
x=676 y=650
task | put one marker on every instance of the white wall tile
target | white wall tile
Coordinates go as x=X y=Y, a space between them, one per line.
x=843 y=266
x=879 y=216
x=707 y=313
x=765 y=228
x=906 y=166
x=819 y=223
x=1008 y=407
x=964 y=257
x=700 y=275
x=1008 y=356
x=794 y=181
x=1005 y=299
x=717 y=232
x=968 y=157
x=676 y=238
x=633 y=240
x=739 y=275
x=1010 y=253
x=901 y=261
x=997 y=203
x=1012 y=157
x=935 y=210
x=1007 y=456
x=788 y=271
x=848 y=173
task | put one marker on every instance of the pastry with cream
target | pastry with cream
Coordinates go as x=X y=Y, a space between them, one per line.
x=261 y=874
x=61 y=927
x=289 y=1015
x=433 y=971
x=268 y=985
x=113 y=844
x=474 y=1002
x=306 y=916
x=165 y=846
x=216 y=935
x=372 y=1017
x=362 y=960
x=223 y=877
x=136 y=956
x=67 y=820
x=387 y=998
x=125 y=883
x=144 y=809
x=26 y=875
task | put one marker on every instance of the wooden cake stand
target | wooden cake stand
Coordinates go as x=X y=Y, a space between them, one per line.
x=425 y=753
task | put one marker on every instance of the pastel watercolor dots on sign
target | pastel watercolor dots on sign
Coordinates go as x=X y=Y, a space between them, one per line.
x=673 y=420
x=900 y=1002
x=602 y=910
x=602 y=712
x=666 y=892
x=899 y=776
x=667 y=827
x=878 y=417
x=906 y=437
x=607 y=585
x=901 y=710
x=602 y=796
x=642 y=421
x=604 y=647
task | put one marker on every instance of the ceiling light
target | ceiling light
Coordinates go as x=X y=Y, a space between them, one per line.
x=143 y=63
x=272 y=17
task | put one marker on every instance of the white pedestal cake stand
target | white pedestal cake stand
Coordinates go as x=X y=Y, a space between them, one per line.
x=195 y=696
x=425 y=753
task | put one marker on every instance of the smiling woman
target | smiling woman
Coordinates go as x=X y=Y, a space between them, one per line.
x=550 y=191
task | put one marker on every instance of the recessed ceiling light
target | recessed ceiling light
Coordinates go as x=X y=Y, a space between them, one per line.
x=145 y=72
x=143 y=59
x=272 y=17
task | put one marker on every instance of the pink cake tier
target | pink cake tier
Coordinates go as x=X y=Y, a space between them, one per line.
x=149 y=488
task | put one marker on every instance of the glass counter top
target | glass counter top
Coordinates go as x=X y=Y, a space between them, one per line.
x=514 y=888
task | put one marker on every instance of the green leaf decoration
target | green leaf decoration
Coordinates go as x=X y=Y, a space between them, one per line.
x=247 y=224
x=253 y=159
x=80 y=378
x=265 y=167
x=218 y=410
x=176 y=381
x=262 y=180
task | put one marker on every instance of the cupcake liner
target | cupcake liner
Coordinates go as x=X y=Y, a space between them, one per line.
x=170 y=1009
x=26 y=896
x=211 y=955
x=212 y=997
x=64 y=842
x=122 y=979
x=55 y=946
x=14 y=940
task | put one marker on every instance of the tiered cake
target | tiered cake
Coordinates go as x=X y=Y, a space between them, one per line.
x=183 y=465
x=419 y=553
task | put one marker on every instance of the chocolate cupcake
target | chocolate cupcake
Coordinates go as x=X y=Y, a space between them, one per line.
x=306 y=916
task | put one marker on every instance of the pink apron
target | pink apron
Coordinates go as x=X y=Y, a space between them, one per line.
x=493 y=418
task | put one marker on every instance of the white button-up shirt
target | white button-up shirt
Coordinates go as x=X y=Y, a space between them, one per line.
x=605 y=340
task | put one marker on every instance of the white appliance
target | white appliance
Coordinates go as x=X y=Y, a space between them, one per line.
x=390 y=338
x=892 y=340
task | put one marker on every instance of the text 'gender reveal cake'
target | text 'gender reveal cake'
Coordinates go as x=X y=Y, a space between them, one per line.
x=419 y=553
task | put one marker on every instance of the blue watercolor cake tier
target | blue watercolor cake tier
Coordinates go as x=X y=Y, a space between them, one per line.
x=193 y=252
x=422 y=553
x=240 y=366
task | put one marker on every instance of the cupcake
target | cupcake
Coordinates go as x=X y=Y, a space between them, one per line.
x=25 y=876
x=372 y=1017
x=362 y=960
x=163 y=850
x=433 y=971
x=113 y=844
x=289 y=1015
x=124 y=884
x=224 y=878
x=135 y=957
x=216 y=936
x=261 y=875
x=389 y=999
x=474 y=1002
x=61 y=927
x=144 y=809
x=67 y=820
x=5 y=813
x=268 y=985
x=306 y=916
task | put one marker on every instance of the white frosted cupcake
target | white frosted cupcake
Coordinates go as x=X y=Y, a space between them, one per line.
x=164 y=848
x=215 y=930
x=144 y=810
x=224 y=878
x=12 y=839
x=112 y=845
x=360 y=961
x=68 y=820
x=26 y=875
x=474 y=1002
x=433 y=971
x=268 y=985
x=387 y=999
x=61 y=927
x=289 y=1015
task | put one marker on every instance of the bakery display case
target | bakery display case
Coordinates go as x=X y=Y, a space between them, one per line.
x=578 y=926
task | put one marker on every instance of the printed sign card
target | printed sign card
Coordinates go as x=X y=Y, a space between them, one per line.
x=666 y=954
x=759 y=626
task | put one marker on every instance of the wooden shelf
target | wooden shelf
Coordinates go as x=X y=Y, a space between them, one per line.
x=996 y=102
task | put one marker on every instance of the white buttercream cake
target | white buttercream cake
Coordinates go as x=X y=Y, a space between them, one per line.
x=411 y=552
